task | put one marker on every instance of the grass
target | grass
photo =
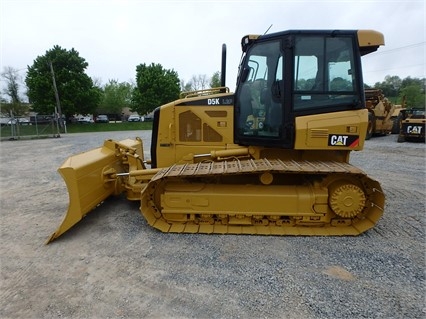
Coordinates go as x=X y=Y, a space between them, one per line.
x=8 y=131
x=108 y=127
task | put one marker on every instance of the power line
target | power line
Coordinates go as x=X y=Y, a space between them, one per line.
x=397 y=49
x=395 y=68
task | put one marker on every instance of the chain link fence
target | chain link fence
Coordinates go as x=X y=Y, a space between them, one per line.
x=38 y=126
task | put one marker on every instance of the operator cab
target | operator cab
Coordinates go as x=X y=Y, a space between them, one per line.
x=294 y=73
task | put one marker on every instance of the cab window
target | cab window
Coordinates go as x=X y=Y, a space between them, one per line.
x=259 y=99
x=324 y=72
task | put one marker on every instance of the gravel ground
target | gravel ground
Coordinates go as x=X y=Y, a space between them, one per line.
x=113 y=265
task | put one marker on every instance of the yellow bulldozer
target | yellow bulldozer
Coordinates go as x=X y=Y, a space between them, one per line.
x=270 y=159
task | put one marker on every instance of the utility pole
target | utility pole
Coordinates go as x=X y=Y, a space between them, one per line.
x=58 y=103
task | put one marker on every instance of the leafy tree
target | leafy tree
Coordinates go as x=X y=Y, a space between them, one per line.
x=155 y=86
x=76 y=91
x=390 y=86
x=13 y=108
x=14 y=104
x=395 y=89
x=408 y=81
x=115 y=97
x=414 y=94
x=215 y=80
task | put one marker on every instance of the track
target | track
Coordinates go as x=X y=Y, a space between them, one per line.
x=263 y=197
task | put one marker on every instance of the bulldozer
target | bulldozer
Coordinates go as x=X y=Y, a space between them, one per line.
x=271 y=158
x=382 y=113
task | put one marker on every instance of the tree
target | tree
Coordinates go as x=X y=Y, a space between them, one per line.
x=414 y=95
x=185 y=87
x=198 y=82
x=77 y=93
x=11 y=77
x=201 y=82
x=116 y=96
x=155 y=86
x=408 y=81
x=215 y=80
x=390 y=86
x=413 y=89
x=14 y=104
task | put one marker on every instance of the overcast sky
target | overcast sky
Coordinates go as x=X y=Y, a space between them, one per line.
x=117 y=35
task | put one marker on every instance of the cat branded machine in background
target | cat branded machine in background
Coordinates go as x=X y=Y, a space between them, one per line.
x=270 y=159
x=412 y=125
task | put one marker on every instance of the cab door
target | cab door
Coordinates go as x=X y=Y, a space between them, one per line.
x=259 y=112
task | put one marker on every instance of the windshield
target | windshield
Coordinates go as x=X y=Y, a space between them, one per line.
x=324 y=72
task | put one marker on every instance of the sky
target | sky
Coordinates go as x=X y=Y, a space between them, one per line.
x=114 y=36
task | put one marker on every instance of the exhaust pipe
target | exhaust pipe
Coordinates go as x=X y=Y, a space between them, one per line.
x=223 y=68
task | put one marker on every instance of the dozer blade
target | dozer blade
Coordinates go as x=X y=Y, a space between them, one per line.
x=90 y=179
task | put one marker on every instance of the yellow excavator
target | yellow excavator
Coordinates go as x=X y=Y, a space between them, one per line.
x=270 y=159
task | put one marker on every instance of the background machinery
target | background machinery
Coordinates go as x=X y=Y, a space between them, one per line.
x=412 y=125
x=382 y=114
x=271 y=158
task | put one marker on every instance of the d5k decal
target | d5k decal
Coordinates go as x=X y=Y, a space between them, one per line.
x=343 y=140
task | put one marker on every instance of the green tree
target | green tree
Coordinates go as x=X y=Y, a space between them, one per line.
x=414 y=95
x=155 y=86
x=77 y=93
x=390 y=86
x=408 y=81
x=215 y=80
x=115 y=97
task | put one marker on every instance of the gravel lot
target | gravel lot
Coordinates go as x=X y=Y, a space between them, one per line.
x=113 y=265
